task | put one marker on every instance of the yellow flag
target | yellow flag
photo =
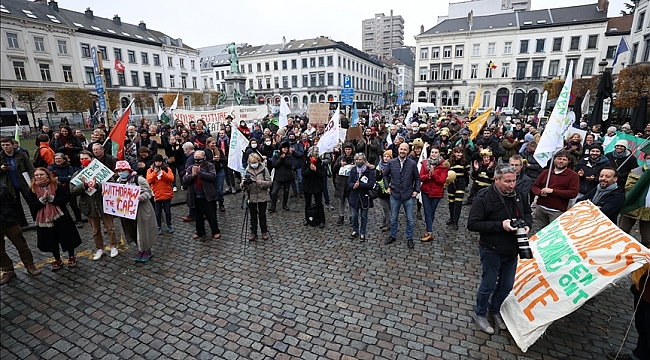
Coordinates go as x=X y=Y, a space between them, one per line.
x=477 y=102
x=478 y=123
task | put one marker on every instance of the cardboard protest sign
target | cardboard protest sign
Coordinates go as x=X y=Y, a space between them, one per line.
x=95 y=170
x=575 y=257
x=319 y=113
x=121 y=199
x=354 y=133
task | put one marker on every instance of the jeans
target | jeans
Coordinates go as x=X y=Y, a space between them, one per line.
x=496 y=281
x=394 y=212
x=642 y=324
x=318 y=200
x=354 y=213
x=298 y=180
x=258 y=210
x=430 y=206
x=326 y=193
x=166 y=205
x=15 y=234
x=221 y=176
x=277 y=185
x=208 y=209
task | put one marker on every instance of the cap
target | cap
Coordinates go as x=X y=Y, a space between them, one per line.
x=418 y=142
x=157 y=157
x=444 y=132
x=485 y=152
x=122 y=165
x=423 y=126
x=464 y=132
x=389 y=153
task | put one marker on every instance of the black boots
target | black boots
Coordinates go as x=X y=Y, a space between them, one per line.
x=221 y=207
x=340 y=220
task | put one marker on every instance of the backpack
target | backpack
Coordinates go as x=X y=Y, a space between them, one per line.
x=38 y=160
x=312 y=215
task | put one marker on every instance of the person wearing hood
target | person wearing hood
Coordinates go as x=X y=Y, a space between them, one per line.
x=433 y=175
x=283 y=165
x=267 y=149
x=622 y=160
x=510 y=145
x=607 y=195
x=92 y=206
x=296 y=153
x=160 y=178
x=243 y=128
x=64 y=173
x=588 y=169
x=145 y=159
x=141 y=230
x=145 y=141
x=314 y=171
x=527 y=139
x=45 y=151
x=252 y=148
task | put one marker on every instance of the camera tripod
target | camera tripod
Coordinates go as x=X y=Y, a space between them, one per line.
x=244 y=229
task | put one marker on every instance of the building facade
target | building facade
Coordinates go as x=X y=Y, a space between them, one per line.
x=382 y=34
x=508 y=55
x=640 y=33
x=483 y=8
x=403 y=75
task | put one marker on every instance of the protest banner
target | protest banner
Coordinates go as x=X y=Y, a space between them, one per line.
x=238 y=144
x=95 y=170
x=319 y=113
x=638 y=144
x=354 y=133
x=121 y=199
x=575 y=257
x=247 y=113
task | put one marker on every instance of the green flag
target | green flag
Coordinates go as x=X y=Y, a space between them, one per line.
x=17 y=136
x=165 y=119
x=636 y=197
x=640 y=144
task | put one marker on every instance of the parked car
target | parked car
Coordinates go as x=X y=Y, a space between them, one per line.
x=483 y=109
x=509 y=111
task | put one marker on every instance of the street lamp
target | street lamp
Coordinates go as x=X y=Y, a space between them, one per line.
x=602 y=64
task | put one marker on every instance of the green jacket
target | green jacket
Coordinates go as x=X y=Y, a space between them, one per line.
x=24 y=165
x=89 y=205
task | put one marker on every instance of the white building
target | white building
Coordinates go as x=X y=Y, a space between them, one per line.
x=381 y=34
x=215 y=61
x=508 y=54
x=483 y=8
x=403 y=78
x=617 y=28
x=640 y=33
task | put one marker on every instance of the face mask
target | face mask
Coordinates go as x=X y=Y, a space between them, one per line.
x=199 y=161
x=293 y=140
x=85 y=162
x=267 y=143
x=123 y=175
x=360 y=164
x=132 y=134
x=647 y=163
x=255 y=165
x=253 y=146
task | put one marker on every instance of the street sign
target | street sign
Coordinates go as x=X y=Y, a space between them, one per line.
x=99 y=85
x=93 y=54
x=400 y=93
x=347 y=81
x=347 y=92
x=102 y=103
x=400 y=101
x=347 y=100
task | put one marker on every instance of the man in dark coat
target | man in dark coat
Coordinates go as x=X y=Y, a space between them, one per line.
x=622 y=160
x=588 y=169
x=202 y=194
x=283 y=165
x=607 y=195
x=13 y=167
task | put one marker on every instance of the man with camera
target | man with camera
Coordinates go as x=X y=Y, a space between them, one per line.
x=502 y=218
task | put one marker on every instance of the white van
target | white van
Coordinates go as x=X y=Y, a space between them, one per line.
x=8 y=119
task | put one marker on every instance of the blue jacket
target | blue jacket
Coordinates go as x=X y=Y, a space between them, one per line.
x=402 y=182
x=63 y=173
x=298 y=155
x=358 y=197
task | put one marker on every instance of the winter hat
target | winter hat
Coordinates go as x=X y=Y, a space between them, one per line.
x=389 y=153
x=622 y=143
x=122 y=165
x=529 y=137
x=291 y=133
x=157 y=157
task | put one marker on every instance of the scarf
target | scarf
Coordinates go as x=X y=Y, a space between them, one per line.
x=46 y=215
x=625 y=154
x=382 y=165
x=434 y=162
x=64 y=139
x=600 y=192
x=361 y=170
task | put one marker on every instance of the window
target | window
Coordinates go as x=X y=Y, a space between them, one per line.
x=539 y=48
x=435 y=53
x=103 y=52
x=294 y=81
x=63 y=46
x=446 y=71
x=304 y=63
x=170 y=61
x=12 y=39
x=85 y=50
x=537 y=69
x=330 y=79
x=635 y=50
x=521 y=69
x=321 y=61
x=284 y=64
x=285 y=81
x=67 y=73
x=476 y=50
x=294 y=64
x=507 y=47
x=557 y=44
x=19 y=70
x=588 y=66
x=217 y=75
x=51 y=105
x=455 y=98
x=592 y=42
x=90 y=75
x=194 y=82
x=45 y=72
x=473 y=74
x=553 y=67
x=486 y=99
x=446 y=52
x=275 y=65
x=305 y=81
x=117 y=53
x=192 y=64
x=184 y=82
x=39 y=44
x=444 y=98
x=488 y=71
x=159 y=80
x=243 y=69
x=330 y=60
x=470 y=97
x=131 y=55
x=268 y=83
x=640 y=20
x=460 y=49
x=312 y=62
x=181 y=62
x=458 y=72
x=156 y=60
x=435 y=72
x=147 y=79
x=575 y=43
x=491 y=50
x=108 y=78
x=523 y=47
x=135 y=80
x=321 y=79
x=259 y=83
x=424 y=53
x=423 y=74
x=121 y=78
x=573 y=70
x=145 y=58
x=172 y=81
x=646 y=50
x=505 y=70
x=611 y=51
x=312 y=79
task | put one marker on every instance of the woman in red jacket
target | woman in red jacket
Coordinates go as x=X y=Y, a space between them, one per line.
x=433 y=175
x=160 y=177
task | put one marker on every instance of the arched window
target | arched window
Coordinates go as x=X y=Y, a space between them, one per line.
x=51 y=105
x=456 y=98
x=124 y=102
x=3 y=102
x=286 y=99
x=422 y=96
x=470 y=98
x=294 y=102
x=518 y=99
x=321 y=98
x=433 y=97
x=486 y=99
x=161 y=102
x=313 y=99
x=330 y=97
x=503 y=97
x=186 y=102
x=305 y=100
x=268 y=100
x=444 y=99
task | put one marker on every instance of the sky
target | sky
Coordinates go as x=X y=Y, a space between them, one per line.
x=211 y=22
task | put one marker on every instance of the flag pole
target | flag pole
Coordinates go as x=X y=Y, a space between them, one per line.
x=127 y=108
x=641 y=146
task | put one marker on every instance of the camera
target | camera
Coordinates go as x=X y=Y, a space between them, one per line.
x=522 y=238
x=247 y=180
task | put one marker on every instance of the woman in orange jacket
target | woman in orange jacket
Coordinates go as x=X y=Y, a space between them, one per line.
x=161 y=178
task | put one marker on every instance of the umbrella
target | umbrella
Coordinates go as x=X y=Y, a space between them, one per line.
x=542 y=104
x=640 y=115
x=605 y=89
x=577 y=108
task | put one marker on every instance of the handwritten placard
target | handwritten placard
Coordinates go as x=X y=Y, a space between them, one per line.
x=95 y=170
x=319 y=113
x=121 y=199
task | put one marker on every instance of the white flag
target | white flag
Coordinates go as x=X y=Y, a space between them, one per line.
x=174 y=104
x=585 y=104
x=559 y=122
x=330 y=138
x=238 y=144
x=284 y=113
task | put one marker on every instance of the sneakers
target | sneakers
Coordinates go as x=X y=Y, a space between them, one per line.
x=72 y=261
x=390 y=240
x=33 y=270
x=146 y=255
x=98 y=254
x=483 y=323
x=159 y=230
x=79 y=224
x=114 y=252
x=427 y=237
x=498 y=321
x=56 y=265
x=170 y=229
x=354 y=235
x=139 y=256
x=8 y=275
x=409 y=243
x=174 y=189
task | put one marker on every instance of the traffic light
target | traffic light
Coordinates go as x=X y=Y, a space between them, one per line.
x=391 y=94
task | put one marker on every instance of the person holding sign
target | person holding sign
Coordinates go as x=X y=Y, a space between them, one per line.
x=142 y=230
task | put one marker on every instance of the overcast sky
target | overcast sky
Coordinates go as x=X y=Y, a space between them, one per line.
x=210 y=22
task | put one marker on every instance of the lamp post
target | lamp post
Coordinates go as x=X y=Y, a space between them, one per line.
x=602 y=64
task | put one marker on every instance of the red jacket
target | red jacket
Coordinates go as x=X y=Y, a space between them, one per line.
x=162 y=188
x=565 y=187
x=434 y=186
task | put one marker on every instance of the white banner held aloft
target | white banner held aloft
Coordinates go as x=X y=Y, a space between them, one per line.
x=246 y=113
x=330 y=137
x=575 y=257
x=95 y=170
x=238 y=144
x=121 y=199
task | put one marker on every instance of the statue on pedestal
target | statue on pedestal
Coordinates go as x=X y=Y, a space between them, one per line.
x=234 y=58
x=237 y=95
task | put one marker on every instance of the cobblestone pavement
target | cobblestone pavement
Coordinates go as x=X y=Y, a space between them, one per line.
x=307 y=293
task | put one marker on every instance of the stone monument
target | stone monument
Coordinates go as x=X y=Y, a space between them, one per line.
x=235 y=80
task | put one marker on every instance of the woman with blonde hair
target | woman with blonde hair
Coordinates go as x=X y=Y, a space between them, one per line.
x=256 y=183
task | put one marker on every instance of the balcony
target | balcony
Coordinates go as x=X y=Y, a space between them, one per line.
x=534 y=79
x=442 y=83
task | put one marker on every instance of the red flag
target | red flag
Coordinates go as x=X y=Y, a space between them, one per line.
x=119 y=66
x=118 y=134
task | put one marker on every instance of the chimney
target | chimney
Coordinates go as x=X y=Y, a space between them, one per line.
x=421 y=29
x=180 y=42
x=603 y=5
x=284 y=42
x=142 y=25
x=117 y=20
x=89 y=13
x=54 y=5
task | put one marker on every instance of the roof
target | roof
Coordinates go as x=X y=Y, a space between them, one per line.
x=216 y=55
x=174 y=42
x=32 y=11
x=393 y=61
x=524 y=19
x=108 y=27
x=619 y=25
